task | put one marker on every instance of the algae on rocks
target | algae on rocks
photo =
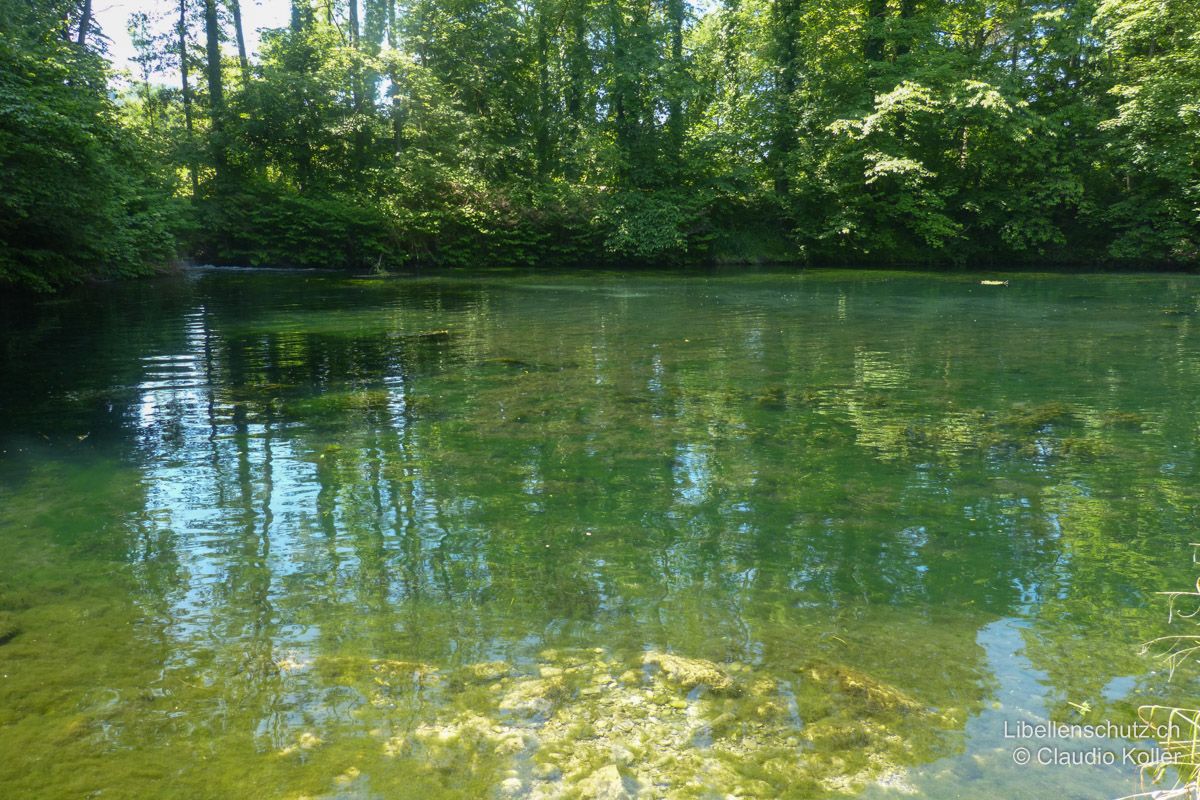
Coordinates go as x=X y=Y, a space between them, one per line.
x=586 y=724
x=692 y=672
x=8 y=627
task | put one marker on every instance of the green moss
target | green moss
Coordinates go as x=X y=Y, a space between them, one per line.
x=9 y=627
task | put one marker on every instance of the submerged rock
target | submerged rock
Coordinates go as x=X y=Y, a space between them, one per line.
x=306 y=741
x=1033 y=418
x=439 y=742
x=292 y=661
x=579 y=725
x=380 y=671
x=487 y=671
x=877 y=695
x=348 y=777
x=534 y=695
x=606 y=783
x=1124 y=419
x=9 y=629
x=692 y=672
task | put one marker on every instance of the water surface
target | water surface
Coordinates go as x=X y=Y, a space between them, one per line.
x=804 y=535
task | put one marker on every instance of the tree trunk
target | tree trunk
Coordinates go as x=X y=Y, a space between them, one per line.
x=187 y=99
x=908 y=10
x=235 y=8
x=216 y=90
x=873 y=46
x=356 y=93
x=85 y=22
x=578 y=63
x=729 y=44
x=784 y=135
x=302 y=14
x=1017 y=33
x=620 y=89
x=394 y=80
x=675 y=122
x=542 y=125
x=581 y=111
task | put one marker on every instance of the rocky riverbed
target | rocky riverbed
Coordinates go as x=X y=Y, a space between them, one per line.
x=584 y=724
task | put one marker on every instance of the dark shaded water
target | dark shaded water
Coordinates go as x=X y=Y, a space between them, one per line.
x=300 y=535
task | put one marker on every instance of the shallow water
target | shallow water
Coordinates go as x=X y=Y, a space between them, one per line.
x=809 y=535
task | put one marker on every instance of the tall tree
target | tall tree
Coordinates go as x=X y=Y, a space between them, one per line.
x=235 y=10
x=216 y=91
x=875 y=41
x=394 y=88
x=783 y=127
x=908 y=10
x=85 y=22
x=675 y=87
x=357 y=90
x=185 y=64
x=542 y=122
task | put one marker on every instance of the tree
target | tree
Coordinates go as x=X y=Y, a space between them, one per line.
x=79 y=199
x=658 y=130
x=216 y=90
x=1156 y=128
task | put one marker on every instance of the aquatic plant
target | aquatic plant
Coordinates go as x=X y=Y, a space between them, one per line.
x=1179 y=740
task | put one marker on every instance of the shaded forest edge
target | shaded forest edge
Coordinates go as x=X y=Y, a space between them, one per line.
x=383 y=134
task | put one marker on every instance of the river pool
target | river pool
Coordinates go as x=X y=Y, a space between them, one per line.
x=776 y=534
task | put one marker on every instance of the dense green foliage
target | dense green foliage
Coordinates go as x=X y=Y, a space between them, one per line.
x=77 y=195
x=388 y=132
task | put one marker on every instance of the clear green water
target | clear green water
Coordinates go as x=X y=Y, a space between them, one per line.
x=279 y=535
